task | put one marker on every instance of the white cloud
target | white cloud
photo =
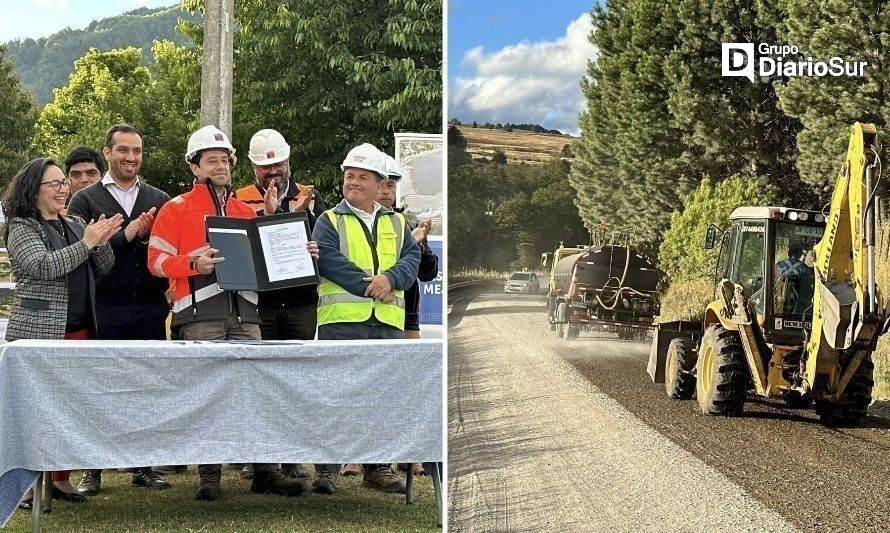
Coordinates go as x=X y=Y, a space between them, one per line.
x=527 y=82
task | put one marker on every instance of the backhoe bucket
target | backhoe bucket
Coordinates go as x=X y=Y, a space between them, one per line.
x=838 y=301
x=661 y=339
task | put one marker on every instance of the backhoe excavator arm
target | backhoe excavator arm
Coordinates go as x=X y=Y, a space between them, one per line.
x=847 y=313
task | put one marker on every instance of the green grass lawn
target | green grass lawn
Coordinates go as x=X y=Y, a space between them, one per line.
x=121 y=508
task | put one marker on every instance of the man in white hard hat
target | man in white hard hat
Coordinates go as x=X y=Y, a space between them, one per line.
x=285 y=314
x=178 y=250
x=361 y=295
x=269 y=155
x=429 y=261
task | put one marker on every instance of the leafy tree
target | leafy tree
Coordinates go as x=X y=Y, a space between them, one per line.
x=172 y=113
x=105 y=88
x=16 y=122
x=456 y=138
x=682 y=255
x=503 y=216
x=45 y=64
x=328 y=79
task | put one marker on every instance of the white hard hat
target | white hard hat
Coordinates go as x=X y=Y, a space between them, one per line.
x=207 y=138
x=368 y=157
x=393 y=172
x=268 y=147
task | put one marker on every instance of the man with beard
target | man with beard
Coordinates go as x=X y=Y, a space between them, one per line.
x=178 y=249
x=130 y=302
x=269 y=154
x=285 y=314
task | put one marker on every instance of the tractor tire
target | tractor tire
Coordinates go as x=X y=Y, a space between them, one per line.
x=679 y=381
x=561 y=311
x=853 y=404
x=722 y=374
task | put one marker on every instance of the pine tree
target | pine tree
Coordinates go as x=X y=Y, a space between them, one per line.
x=627 y=167
x=731 y=125
x=827 y=106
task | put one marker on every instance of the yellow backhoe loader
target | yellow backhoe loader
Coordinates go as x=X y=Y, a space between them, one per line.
x=797 y=313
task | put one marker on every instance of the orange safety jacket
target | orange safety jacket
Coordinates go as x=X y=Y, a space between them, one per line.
x=252 y=195
x=179 y=235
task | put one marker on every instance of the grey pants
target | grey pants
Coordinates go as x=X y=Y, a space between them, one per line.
x=219 y=330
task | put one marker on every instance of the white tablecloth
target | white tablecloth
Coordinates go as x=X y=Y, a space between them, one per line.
x=68 y=405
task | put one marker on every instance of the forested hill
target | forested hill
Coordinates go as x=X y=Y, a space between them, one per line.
x=46 y=63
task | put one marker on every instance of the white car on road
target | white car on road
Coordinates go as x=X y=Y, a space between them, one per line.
x=522 y=282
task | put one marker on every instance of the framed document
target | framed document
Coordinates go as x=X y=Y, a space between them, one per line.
x=263 y=253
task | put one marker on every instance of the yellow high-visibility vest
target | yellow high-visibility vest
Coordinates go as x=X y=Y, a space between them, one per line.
x=336 y=304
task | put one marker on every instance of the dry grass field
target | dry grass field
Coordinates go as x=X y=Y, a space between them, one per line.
x=520 y=146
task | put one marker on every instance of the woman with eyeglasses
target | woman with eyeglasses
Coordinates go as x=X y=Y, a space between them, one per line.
x=55 y=260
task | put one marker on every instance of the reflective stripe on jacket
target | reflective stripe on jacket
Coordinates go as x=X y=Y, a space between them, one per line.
x=179 y=235
x=373 y=256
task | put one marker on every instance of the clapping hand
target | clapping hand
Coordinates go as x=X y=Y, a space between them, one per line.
x=422 y=230
x=141 y=226
x=99 y=231
x=271 y=198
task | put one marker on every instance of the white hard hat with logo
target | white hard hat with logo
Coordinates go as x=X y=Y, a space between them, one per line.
x=393 y=172
x=206 y=138
x=368 y=157
x=268 y=147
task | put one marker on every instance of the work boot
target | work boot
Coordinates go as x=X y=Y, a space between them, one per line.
x=324 y=482
x=381 y=477
x=418 y=468
x=147 y=478
x=295 y=470
x=210 y=476
x=169 y=470
x=91 y=483
x=275 y=481
x=351 y=469
x=247 y=471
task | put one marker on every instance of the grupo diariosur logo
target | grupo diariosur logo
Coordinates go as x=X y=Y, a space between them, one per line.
x=738 y=59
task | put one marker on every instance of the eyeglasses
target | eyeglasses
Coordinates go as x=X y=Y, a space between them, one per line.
x=274 y=167
x=57 y=184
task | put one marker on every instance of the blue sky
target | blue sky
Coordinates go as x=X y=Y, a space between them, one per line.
x=42 y=18
x=518 y=61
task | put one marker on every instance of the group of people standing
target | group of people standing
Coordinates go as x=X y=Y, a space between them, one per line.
x=104 y=255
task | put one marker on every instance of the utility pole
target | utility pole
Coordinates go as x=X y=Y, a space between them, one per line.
x=216 y=65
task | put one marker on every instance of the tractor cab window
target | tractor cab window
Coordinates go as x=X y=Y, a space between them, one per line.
x=793 y=277
x=747 y=260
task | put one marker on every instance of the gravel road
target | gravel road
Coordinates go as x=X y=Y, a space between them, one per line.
x=549 y=435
